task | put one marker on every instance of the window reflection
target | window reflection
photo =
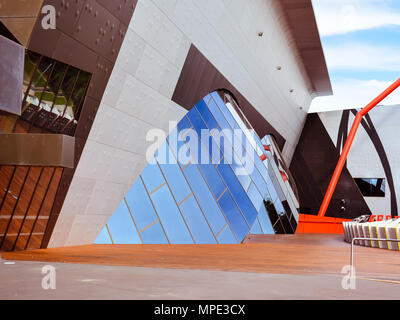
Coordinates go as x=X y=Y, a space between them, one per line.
x=52 y=98
x=371 y=187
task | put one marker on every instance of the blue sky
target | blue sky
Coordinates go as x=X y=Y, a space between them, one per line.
x=362 y=49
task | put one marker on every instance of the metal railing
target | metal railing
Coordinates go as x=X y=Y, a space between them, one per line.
x=370 y=239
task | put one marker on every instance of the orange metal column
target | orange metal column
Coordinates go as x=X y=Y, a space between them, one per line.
x=347 y=146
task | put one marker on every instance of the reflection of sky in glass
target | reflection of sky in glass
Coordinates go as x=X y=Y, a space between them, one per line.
x=185 y=202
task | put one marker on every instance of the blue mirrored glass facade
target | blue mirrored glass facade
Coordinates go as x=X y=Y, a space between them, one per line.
x=213 y=181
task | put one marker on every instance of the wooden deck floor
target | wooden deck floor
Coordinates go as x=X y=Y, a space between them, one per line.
x=281 y=254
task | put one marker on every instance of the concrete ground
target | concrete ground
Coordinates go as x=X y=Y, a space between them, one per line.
x=23 y=280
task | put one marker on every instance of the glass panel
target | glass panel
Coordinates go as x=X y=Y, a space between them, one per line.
x=140 y=205
x=184 y=124
x=271 y=190
x=219 y=117
x=31 y=59
x=154 y=235
x=234 y=216
x=176 y=181
x=238 y=193
x=220 y=103
x=226 y=236
x=170 y=216
x=206 y=200
x=64 y=106
x=50 y=98
x=286 y=224
x=213 y=179
x=206 y=115
x=196 y=222
x=152 y=177
x=256 y=229
x=279 y=208
x=178 y=146
x=79 y=93
x=122 y=228
x=265 y=221
x=255 y=197
x=371 y=187
x=103 y=237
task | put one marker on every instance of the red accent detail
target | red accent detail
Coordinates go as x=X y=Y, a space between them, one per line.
x=349 y=141
x=284 y=177
x=263 y=157
x=266 y=148
x=314 y=224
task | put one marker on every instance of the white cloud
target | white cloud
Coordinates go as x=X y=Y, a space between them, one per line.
x=354 y=94
x=356 y=56
x=343 y=16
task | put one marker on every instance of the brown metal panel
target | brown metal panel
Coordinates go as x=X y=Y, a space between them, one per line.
x=313 y=163
x=21 y=28
x=19 y=16
x=200 y=77
x=116 y=40
x=86 y=118
x=37 y=149
x=11 y=75
x=20 y=8
x=122 y=9
x=44 y=41
x=62 y=190
x=71 y=52
x=95 y=27
x=100 y=78
x=68 y=13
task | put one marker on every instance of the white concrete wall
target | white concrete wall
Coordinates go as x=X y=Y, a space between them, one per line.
x=138 y=96
x=363 y=160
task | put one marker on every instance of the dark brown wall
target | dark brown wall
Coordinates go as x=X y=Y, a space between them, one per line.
x=199 y=77
x=88 y=36
x=313 y=163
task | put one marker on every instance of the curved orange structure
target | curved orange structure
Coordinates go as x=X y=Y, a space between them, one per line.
x=347 y=146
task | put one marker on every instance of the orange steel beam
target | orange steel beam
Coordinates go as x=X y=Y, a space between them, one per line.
x=347 y=146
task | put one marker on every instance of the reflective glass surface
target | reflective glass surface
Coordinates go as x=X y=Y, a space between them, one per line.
x=122 y=228
x=170 y=216
x=207 y=183
x=140 y=205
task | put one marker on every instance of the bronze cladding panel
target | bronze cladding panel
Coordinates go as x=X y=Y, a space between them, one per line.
x=11 y=75
x=19 y=16
x=37 y=149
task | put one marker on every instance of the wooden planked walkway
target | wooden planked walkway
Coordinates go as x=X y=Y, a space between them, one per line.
x=281 y=254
